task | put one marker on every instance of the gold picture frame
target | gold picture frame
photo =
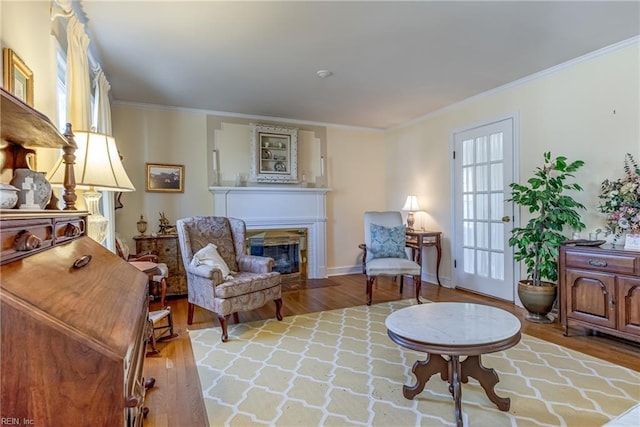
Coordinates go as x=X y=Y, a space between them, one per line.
x=17 y=77
x=163 y=178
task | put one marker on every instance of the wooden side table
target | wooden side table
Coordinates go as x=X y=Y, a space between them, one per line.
x=417 y=239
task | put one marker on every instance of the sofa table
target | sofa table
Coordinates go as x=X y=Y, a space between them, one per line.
x=454 y=329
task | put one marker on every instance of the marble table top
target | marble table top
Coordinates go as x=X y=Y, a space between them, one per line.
x=453 y=323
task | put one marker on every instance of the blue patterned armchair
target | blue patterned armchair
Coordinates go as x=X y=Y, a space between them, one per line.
x=238 y=282
x=384 y=251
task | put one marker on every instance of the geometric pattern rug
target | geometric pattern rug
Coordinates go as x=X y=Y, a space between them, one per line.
x=339 y=368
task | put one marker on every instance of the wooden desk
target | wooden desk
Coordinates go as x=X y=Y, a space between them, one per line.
x=417 y=239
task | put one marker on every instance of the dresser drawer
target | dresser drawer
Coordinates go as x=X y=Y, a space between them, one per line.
x=621 y=264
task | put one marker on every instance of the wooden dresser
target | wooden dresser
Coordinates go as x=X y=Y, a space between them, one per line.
x=73 y=315
x=167 y=247
x=600 y=290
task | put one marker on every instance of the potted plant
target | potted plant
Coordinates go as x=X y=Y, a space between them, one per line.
x=537 y=243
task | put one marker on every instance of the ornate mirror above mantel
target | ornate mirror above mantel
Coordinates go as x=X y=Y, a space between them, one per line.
x=274 y=154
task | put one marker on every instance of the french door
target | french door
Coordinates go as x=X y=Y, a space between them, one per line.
x=483 y=219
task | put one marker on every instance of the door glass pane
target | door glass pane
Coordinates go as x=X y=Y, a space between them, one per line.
x=467 y=152
x=481 y=178
x=467 y=179
x=467 y=206
x=483 y=235
x=497 y=236
x=482 y=206
x=497 y=206
x=497 y=265
x=483 y=263
x=468 y=230
x=496 y=177
x=482 y=148
x=496 y=147
x=469 y=261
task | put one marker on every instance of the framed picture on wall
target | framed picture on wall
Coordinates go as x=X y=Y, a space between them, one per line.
x=274 y=154
x=17 y=77
x=162 y=178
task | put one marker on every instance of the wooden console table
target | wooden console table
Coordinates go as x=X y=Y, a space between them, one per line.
x=417 y=239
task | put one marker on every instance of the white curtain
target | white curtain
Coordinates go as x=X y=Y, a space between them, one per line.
x=102 y=123
x=77 y=79
x=101 y=107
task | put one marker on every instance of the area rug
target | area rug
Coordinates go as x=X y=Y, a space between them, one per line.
x=339 y=367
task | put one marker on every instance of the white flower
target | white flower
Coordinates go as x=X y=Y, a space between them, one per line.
x=623 y=223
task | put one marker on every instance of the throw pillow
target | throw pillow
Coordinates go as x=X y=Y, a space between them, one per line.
x=387 y=242
x=209 y=256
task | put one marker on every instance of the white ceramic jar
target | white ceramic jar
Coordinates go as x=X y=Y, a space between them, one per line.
x=8 y=196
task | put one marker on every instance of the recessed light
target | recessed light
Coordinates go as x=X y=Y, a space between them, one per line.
x=324 y=73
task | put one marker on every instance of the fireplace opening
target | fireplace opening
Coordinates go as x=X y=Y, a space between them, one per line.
x=287 y=247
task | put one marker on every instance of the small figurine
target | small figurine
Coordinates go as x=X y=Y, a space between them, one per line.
x=165 y=228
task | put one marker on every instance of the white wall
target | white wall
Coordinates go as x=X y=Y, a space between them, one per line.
x=166 y=137
x=589 y=111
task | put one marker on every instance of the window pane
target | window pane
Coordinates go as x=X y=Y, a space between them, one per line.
x=481 y=178
x=496 y=177
x=467 y=206
x=497 y=236
x=497 y=266
x=483 y=263
x=469 y=261
x=482 y=206
x=482 y=149
x=467 y=152
x=496 y=146
x=467 y=179
x=483 y=235
x=468 y=229
x=497 y=206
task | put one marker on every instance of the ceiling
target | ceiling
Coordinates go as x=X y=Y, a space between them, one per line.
x=392 y=62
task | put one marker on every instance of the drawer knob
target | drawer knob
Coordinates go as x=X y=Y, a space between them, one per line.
x=26 y=241
x=597 y=263
x=71 y=230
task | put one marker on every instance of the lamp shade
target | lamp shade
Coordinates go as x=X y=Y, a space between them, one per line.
x=97 y=164
x=411 y=204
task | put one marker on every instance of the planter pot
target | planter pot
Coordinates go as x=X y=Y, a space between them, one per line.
x=538 y=300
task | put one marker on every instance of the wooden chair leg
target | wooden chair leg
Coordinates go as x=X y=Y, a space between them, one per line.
x=223 y=326
x=370 y=289
x=418 y=285
x=190 y=314
x=163 y=291
x=401 y=283
x=278 y=308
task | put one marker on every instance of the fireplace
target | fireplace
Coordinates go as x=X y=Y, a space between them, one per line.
x=280 y=207
x=287 y=247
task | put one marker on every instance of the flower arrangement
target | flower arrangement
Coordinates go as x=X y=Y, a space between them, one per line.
x=621 y=200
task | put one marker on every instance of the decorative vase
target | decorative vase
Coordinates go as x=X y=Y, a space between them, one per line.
x=8 y=196
x=142 y=225
x=35 y=190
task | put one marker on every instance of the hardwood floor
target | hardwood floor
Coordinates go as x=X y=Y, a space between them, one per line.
x=176 y=399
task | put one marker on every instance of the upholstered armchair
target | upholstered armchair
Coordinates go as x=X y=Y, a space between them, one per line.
x=384 y=251
x=221 y=277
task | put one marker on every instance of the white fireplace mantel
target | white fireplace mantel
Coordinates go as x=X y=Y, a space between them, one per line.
x=266 y=207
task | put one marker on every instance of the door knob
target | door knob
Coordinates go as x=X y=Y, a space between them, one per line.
x=506 y=218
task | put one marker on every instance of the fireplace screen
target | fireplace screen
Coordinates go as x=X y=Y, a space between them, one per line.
x=287 y=247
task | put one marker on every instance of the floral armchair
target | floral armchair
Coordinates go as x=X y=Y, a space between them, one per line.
x=221 y=277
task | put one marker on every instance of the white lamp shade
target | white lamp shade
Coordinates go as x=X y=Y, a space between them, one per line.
x=97 y=164
x=411 y=204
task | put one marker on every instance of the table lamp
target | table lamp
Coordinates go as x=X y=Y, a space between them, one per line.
x=411 y=205
x=97 y=167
